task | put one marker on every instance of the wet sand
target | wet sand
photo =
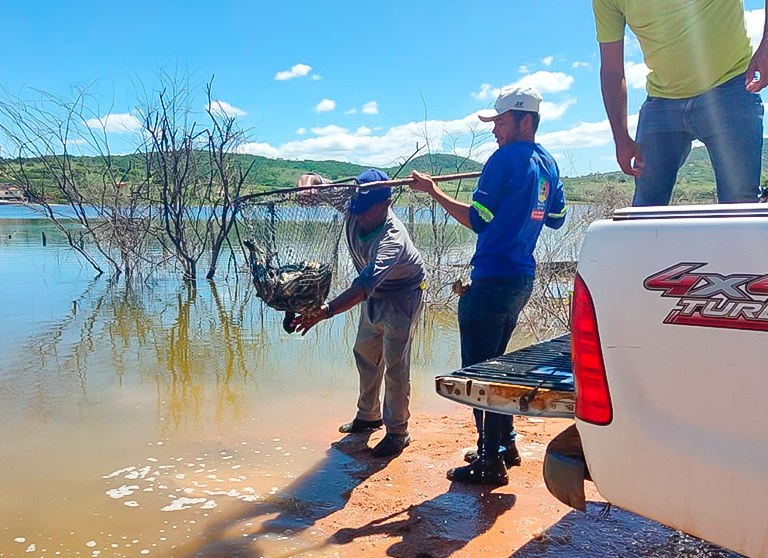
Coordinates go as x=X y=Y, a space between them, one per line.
x=353 y=505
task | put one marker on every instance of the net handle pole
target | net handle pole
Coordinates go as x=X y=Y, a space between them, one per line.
x=367 y=185
x=409 y=181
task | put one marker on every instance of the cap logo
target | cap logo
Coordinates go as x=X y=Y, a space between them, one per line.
x=519 y=104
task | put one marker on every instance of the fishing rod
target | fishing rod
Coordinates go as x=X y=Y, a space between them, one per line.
x=343 y=183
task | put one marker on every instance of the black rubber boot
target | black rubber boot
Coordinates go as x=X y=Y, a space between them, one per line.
x=510 y=455
x=360 y=425
x=482 y=471
x=391 y=444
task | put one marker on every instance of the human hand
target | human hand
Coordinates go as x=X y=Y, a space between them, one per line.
x=304 y=322
x=757 y=71
x=422 y=182
x=629 y=157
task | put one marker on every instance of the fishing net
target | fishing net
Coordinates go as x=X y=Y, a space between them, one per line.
x=293 y=238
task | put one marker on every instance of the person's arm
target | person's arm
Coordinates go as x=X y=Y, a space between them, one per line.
x=758 y=66
x=456 y=209
x=349 y=298
x=613 y=85
x=557 y=210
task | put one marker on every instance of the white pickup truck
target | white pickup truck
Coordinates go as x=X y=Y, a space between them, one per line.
x=669 y=335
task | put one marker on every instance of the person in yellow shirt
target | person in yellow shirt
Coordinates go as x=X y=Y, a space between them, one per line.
x=703 y=84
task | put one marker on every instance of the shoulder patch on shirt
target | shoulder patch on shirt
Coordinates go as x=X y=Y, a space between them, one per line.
x=539 y=211
x=543 y=189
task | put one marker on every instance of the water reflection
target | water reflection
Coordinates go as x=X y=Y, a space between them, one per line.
x=134 y=417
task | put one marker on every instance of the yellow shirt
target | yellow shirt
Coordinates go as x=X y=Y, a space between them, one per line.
x=690 y=46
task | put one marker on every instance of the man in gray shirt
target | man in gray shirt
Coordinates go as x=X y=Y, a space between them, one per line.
x=389 y=289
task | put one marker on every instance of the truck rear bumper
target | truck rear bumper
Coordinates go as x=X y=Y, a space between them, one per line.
x=565 y=468
x=506 y=398
x=534 y=381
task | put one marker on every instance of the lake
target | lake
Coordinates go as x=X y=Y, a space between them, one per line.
x=134 y=419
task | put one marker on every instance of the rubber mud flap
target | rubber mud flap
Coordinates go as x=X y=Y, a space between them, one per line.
x=565 y=469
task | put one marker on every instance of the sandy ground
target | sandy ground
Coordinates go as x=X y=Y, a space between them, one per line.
x=409 y=508
x=405 y=507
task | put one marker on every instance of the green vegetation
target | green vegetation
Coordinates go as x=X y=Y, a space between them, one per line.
x=696 y=181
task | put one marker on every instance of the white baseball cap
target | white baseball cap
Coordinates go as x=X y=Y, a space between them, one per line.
x=513 y=98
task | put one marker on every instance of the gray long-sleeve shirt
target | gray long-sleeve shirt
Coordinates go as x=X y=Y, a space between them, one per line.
x=387 y=261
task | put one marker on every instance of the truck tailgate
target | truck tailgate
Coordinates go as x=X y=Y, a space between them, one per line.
x=534 y=381
x=680 y=297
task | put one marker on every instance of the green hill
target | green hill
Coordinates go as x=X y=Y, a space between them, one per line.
x=695 y=181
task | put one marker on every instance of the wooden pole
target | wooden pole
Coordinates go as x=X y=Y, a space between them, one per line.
x=366 y=186
x=409 y=181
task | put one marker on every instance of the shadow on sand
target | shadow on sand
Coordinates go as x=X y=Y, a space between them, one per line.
x=617 y=534
x=313 y=496
x=436 y=527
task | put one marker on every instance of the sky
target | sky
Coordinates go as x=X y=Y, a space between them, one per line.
x=362 y=82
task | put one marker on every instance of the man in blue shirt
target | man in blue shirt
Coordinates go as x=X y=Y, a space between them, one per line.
x=517 y=194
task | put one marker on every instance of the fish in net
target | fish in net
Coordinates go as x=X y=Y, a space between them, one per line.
x=293 y=237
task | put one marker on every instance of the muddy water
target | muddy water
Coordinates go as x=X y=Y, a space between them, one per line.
x=131 y=419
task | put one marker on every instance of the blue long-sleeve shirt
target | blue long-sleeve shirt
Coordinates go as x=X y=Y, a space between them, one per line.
x=518 y=193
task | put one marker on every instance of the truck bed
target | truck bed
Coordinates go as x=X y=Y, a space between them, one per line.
x=533 y=381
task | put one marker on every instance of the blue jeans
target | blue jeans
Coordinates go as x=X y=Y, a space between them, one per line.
x=727 y=119
x=487 y=317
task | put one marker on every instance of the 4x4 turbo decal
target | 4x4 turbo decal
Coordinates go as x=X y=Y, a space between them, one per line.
x=711 y=299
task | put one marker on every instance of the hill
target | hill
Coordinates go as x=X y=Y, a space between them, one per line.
x=695 y=181
x=265 y=173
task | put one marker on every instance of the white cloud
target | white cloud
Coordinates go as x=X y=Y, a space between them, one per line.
x=326 y=105
x=635 y=74
x=545 y=82
x=371 y=107
x=554 y=111
x=78 y=141
x=585 y=134
x=631 y=45
x=754 y=20
x=351 y=111
x=316 y=77
x=523 y=69
x=383 y=149
x=258 y=148
x=297 y=70
x=579 y=64
x=547 y=60
x=115 y=123
x=329 y=130
x=486 y=92
x=223 y=108
x=301 y=131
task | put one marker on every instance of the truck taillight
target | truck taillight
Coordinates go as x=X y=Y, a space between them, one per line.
x=593 y=400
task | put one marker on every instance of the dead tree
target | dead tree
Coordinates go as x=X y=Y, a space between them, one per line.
x=110 y=210
x=172 y=164
x=226 y=175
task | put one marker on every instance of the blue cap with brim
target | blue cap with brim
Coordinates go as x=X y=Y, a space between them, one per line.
x=367 y=198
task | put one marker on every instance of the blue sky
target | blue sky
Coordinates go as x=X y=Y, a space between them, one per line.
x=362 y=82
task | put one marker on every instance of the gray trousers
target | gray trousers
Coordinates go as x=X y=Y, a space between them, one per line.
x=383 y=354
